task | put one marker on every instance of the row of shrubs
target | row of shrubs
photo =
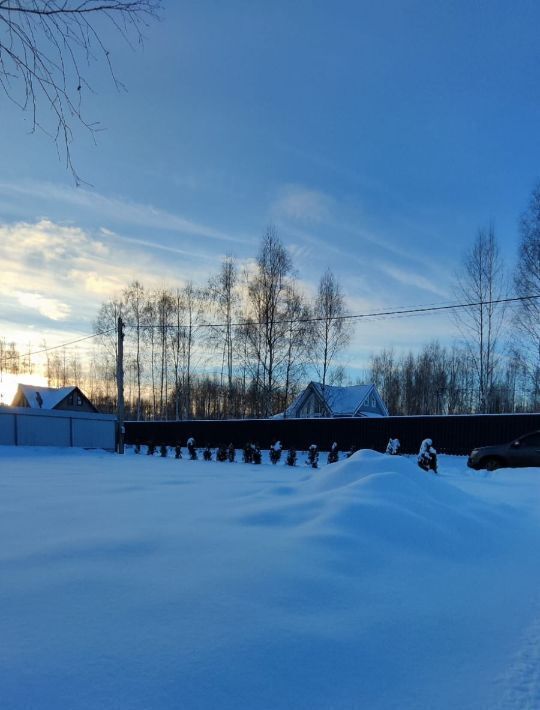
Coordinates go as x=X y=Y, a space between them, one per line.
x=251 y=453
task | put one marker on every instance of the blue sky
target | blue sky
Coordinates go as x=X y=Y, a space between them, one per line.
x=377 y=137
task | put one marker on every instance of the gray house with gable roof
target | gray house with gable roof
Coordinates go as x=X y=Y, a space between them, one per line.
x=331 y=401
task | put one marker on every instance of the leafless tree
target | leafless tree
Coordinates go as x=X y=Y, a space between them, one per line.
x=331 y=333
x=527 y=284
x=134 y=297
x=266 y=325
x=164 y=311
x=296 y=337
x=187 y=314
x=222 y=299
x=481 y=282
x=46 y=47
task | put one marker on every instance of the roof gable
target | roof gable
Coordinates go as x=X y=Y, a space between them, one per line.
x=50 y=397
x=340 y=401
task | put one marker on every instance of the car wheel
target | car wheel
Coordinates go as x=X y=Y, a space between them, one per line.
x=491 y=463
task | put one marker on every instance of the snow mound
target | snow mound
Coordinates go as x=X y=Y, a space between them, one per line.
x=386 y=500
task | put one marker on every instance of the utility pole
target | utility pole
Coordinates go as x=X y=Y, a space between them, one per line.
x=120 y=384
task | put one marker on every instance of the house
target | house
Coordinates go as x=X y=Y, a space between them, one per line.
x=62 y=398
x=331 y=401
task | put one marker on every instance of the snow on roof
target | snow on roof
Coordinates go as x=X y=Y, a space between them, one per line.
x=342 y=401
x=50 y=396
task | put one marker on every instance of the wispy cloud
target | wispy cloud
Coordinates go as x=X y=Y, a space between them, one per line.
x=302 y=204
x=119 y=210
x=412 y=278
x=51 y=308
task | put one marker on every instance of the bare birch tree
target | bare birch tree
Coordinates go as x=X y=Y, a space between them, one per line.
x=222 y=299
x=480 y=282
x=296 y=337
x=265 y=326
x=134 y=297
x=330 y=332
x=527 y=286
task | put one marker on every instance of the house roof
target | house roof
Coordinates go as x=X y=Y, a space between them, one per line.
x=342 y=401
x=51 y=396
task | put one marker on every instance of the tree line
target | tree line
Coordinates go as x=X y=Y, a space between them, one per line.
x=240 y=345
x=494 y=363
x=246 y=342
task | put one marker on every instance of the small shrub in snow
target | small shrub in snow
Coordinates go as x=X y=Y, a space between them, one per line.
x=191 y=448
x=207 y=453
x=291 y=457
x=427 y=456
x=257 y=454
x=151 y=449
x=163 y=451
x=393 y=446
x=275 y=452
x=333 y=454
x=221 y=453
x=351 y=451
x=177 y=452
x=137 y=448
x=313 y=456
x=231 y=453
x=248 y=452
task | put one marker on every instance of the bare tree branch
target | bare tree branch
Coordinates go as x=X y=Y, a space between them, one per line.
x=45 y=46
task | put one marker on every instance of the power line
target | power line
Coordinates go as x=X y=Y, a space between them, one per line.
x=57 y=347
x=377 y=314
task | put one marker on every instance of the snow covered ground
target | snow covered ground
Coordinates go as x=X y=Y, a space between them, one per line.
x=137 y=582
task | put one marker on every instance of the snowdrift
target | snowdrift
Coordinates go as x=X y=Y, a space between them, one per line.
x=383 y=500
x=138 y=582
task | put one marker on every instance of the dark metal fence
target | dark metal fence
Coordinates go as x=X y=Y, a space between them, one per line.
x=456 y=434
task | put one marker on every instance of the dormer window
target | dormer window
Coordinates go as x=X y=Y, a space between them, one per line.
x=79 y=400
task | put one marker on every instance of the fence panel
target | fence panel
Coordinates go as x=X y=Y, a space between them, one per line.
x=21 y=426
x=456 y=434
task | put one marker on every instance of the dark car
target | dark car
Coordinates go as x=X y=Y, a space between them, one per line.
x=523 y=451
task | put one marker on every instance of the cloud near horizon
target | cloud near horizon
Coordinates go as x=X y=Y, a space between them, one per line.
x=63 y=273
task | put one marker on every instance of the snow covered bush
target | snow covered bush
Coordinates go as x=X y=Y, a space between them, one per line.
x=191 y=448
x=427 y=456
x=313 y=456
x=275 y=452
x=393 y=447
x=333 y=454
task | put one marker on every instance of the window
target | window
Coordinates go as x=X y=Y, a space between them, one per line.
x=532 y=440
x=79 y=400
x=70 y=400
